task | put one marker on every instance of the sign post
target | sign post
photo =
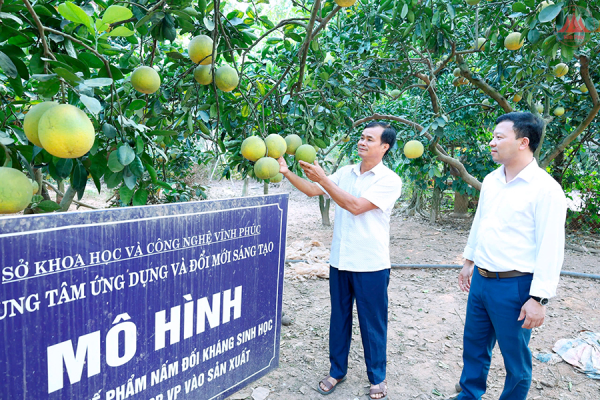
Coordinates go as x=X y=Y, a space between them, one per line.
x=177 y=301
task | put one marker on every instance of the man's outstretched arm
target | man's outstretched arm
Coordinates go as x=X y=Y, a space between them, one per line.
x=308 y=188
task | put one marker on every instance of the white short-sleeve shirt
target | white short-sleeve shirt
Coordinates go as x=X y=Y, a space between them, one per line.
x=361 y=242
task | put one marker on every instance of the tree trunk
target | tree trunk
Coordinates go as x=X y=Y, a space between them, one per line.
x=324 y=207
x=245 y=187
x=436 y=201
x=66 y=201
x=461 y=205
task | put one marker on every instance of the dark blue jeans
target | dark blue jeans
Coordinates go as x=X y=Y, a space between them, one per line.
x=493 y=308
x=370 y=291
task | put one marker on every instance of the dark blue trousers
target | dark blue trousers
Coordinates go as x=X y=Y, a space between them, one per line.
x=370 y=291
x=493 y=308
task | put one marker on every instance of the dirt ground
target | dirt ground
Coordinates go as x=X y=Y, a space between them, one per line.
x=426 y=314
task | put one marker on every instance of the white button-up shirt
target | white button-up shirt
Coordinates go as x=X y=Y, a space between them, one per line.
x=520 y=225
x=361 y=243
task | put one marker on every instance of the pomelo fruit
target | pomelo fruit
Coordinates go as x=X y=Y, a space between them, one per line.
x=486 y=104
x=200 y=49
x=346 y=138
x=545 y=4
x=32 y=119
x=278 y=178
x=395 y=93
x=292 y=142
x=306 y=153
x=583 y=89
x=35 y=187
x=203 y=75
x=561 y=70
x=539 y=107
x=16 y=191
x=345 y=3
x=253 y=148
x=66 y=132
x=472 y=2
x=266 y=168
x=480 y=44
x=226 y=78
x=145 y=80
x=513 y=41
x=517 y=97
x=413 y=149
x=559 y=111
x=456 y=72
x=276 y=145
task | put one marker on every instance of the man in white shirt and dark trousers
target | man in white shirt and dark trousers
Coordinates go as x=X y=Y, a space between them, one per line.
x=365 y=194
x=514 y=256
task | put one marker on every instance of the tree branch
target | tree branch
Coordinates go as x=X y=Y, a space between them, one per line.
x=306 y=45
x=481 y=84
x=324 y=21
x=61 y=194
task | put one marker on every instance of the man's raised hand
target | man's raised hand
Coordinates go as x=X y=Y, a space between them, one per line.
x=283 y=168
x=314 y=172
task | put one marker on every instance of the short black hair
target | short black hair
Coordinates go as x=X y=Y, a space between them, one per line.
x=387 y=136
x=525 y=124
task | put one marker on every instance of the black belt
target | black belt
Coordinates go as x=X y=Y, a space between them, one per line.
x=508 y=274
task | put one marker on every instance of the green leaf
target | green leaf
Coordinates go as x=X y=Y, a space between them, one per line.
x=139 y=145
x=113 y=180
x=63 y=167
x=140 y=198
x=129 y=178
x=48 y=206
x=74 y=13
x=4 y=15
x=120 y=31
x=125 y=154
x=116 y=14
x=113 y=162
x=164 y=185
x=125 y=194
x=98 y=82
x=109 y=130
x=209 y=24
x=519 y=7
x=8 y=66
x=92 y=104
x=68 y=76
x=79 y=179
x=136 y=167
x=91 y=60
x=405 y=11
x=549 y=13
x=151 y=172
x=533 y=36
x=136 y=105
x=163 y=133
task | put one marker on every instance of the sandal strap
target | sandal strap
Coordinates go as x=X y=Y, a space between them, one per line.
x=380 y=389
x=328 y=385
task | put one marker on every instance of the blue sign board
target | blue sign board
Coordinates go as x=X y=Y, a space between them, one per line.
x=177 y=301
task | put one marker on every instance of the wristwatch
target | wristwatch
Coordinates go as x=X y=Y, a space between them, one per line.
x=542 y=300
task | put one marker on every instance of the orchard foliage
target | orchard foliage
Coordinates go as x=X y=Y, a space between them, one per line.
x=309 y=68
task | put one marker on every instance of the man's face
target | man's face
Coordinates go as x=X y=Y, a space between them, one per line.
x=370 y=145
x=505 y=146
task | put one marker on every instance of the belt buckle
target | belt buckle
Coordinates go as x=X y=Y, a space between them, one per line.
x=482 y=272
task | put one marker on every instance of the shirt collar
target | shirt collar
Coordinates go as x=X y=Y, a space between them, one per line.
x=375 y=170
x=526 y=174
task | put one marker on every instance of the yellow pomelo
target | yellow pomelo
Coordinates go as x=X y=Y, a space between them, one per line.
x=226 y=78
x=561 y=70
x=513 y=41
x=306 y=153
x=276 y=145
x=32 y=119
x=15 y=191
x=517 y=97
x=346 y=138
x=145 y=80
x=583 y=89
x=278 y=178
x=292 y=142
x=558 y=111
x=413 y=149
x=480 y=44
x=486 y=104
x=539 y=107
x=472 y=2
x=266 y=168
x=456 y=72
x=66 y=132
x=345 y=3
x=253 y=148
x=395 y=93
x=545 y=4
x=200 y=49
x=203 y=75
x=35 y=187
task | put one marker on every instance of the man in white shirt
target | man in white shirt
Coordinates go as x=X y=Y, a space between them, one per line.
x=360 y=259
x=516 y=245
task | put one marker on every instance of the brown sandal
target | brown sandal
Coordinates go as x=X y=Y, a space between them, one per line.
x=380 y=389
x=328 y=385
